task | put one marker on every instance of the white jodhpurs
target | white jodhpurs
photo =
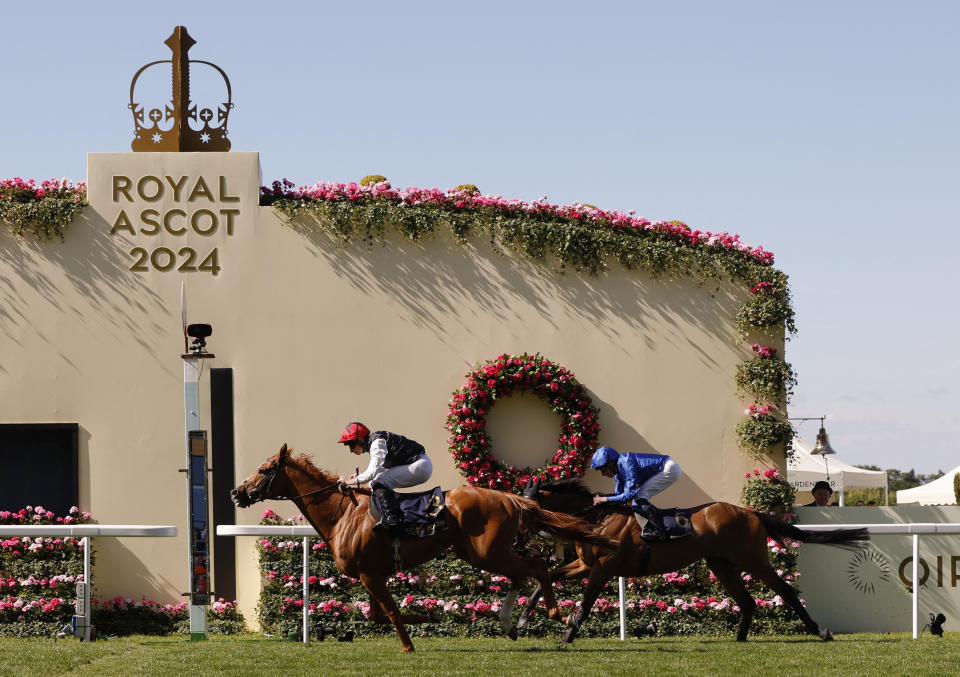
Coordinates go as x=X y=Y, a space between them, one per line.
x=403 y=476
x=671 y=473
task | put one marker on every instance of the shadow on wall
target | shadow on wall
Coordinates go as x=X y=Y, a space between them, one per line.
x=129 y=574
x=99 y=273
x=432 y=280
x=618 y=434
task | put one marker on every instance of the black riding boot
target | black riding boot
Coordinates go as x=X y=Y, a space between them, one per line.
x=654 y=518
x=389 y=508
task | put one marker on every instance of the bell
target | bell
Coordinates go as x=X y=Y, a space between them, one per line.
x=822 y=446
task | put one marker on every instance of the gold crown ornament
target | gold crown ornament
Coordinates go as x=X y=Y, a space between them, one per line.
x=180 y=127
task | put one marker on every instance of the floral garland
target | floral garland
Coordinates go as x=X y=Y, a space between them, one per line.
x=507 y=374
x=45 y=210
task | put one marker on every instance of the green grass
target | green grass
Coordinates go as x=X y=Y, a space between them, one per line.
x=849 y=655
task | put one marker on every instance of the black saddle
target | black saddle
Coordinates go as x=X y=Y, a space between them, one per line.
x=676 y=522
x=423 y=513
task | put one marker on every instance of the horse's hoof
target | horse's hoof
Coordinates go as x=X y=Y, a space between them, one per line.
x=513 y=634
x=569 y=636
x=407 y=649
x=826 y=635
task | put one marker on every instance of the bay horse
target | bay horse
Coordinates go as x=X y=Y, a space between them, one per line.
x=730 y=538
x=482 y=525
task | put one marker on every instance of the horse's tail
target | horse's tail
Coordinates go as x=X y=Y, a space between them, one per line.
x=533 y=518
x=777 y=529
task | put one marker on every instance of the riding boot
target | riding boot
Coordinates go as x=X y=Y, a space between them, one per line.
x=389 y=509
x=654 y=518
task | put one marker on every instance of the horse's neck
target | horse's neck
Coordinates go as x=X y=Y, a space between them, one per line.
x=322 y=509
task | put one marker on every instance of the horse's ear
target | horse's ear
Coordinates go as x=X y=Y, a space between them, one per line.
x=284 y=451
x=533 y=488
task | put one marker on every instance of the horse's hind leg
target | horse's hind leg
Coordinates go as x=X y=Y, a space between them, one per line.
x=600 y=573
x=377 y=587
x=789 y=595
x=729 y=577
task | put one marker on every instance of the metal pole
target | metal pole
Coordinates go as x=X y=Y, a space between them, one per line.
x=191 y=410
x=916 y=582
x=306 y=589
x=86 y=589
x=623 y=609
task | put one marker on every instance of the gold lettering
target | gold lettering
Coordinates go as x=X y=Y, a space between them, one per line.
x=166 y=221
x=121 y=184
x=148 y=216
x=923 y=571
x=141 y=184
x=223 y=192
x=200 y=189
x=122 y=223
x=939 y=571
x=954 y=574
x=177 y=187
x=195 y=222
x=229 y=213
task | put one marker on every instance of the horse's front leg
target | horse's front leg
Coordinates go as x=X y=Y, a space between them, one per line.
x=380 y=595
x=600 y=573
x=569 y=570
x=505 y=616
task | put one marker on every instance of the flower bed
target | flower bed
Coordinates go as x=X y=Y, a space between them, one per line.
x=464 y=601
x=37 y=588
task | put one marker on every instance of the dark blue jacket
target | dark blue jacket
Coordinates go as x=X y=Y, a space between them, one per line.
x=632 y=471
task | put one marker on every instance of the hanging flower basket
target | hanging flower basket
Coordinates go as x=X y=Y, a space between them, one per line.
x=508 y=374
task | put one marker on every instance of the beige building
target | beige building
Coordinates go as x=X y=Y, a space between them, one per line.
x=308 y=336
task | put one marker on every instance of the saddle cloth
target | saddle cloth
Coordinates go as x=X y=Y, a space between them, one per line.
x=423 y=513
x=675 y=520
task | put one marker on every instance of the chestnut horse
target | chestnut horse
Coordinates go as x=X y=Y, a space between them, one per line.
x=731 y=539
x=482 y=527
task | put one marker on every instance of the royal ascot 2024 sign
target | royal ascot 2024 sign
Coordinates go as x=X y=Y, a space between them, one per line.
x=207 y=207
x=173 y=204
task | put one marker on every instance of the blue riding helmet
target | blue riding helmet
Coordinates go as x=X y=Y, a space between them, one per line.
x=603 y=456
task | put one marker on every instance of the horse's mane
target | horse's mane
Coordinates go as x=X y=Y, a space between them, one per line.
x=570 y=486
x=306 y=463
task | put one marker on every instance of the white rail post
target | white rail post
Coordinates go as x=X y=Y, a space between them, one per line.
x=916 y=582
x=306 y=589
x=623 y=609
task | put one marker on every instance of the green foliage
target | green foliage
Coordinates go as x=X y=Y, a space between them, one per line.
x=768 y=492
x=467 y=187
x=956 y=487
x=758 y=434
x=46 y=212
x=371 y=179
x=767 y=379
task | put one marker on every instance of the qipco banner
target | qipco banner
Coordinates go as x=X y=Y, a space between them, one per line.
x=173 y=212
x=870 y=590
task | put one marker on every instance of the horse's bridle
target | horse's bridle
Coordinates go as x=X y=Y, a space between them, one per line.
x=256 y=493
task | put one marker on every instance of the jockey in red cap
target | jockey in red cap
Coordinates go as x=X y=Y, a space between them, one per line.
x=395 y=462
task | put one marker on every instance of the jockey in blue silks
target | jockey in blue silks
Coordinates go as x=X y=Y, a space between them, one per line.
x=639 y=476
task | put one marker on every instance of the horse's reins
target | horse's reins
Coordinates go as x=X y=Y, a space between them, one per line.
x=272 y=473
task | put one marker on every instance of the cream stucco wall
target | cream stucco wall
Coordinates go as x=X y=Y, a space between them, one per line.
x=318 y=335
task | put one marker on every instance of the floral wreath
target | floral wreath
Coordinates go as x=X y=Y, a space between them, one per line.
x=507 y=374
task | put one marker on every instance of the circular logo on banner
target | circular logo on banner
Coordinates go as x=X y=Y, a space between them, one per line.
x=867 y=570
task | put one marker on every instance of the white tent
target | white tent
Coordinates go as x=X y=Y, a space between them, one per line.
x=938 y=492
x=805 y=469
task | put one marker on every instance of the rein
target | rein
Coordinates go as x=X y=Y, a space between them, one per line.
x=344 y=490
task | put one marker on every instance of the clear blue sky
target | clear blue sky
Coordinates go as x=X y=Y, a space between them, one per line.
x=824 y=131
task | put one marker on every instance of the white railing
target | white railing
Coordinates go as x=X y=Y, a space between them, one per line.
x=305 y=531
x=914 y=530
x=86 y=532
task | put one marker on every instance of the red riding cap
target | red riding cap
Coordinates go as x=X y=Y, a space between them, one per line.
x=354 y=432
